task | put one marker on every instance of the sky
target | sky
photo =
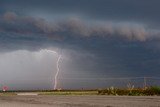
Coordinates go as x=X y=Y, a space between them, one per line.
x=99 y=41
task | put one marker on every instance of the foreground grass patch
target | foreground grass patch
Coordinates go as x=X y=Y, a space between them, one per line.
x=7 y=94
x=69 y=93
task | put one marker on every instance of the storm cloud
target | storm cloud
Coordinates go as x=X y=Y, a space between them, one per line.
x=24 y=26
x=98 y=39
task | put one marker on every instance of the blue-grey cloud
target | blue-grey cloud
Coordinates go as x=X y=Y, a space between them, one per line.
x=143 y=11
x=26 y=27
x=101 y=39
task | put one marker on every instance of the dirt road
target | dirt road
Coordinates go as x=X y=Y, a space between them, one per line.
x=79 y=101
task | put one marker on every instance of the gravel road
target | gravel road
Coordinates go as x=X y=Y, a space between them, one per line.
x=79 y=101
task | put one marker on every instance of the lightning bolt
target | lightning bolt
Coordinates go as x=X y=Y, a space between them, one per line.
x=58 y=66
x=58 y=69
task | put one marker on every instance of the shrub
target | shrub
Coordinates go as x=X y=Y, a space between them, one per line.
x=152 y=91
x=131 y=92
x=108 y=91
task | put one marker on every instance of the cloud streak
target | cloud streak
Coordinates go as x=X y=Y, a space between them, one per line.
x=37 y=27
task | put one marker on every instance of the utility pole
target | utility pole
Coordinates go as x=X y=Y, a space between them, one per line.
x=145 y=83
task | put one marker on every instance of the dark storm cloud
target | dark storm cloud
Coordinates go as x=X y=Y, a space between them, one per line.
x=101 y=38
x=133 y=10
x=27 y=28
x=125 y=18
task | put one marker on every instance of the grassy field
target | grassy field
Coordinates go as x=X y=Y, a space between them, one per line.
x=69 y=93
x=54 y=92
x=7 y=93
x=108 y=91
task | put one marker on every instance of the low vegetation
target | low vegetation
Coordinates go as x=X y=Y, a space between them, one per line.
x=131 y=91
x=72 y=92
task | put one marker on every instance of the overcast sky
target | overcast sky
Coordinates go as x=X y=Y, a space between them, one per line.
x=98 y=39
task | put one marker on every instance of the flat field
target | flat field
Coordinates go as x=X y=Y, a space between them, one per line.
x=78 y=101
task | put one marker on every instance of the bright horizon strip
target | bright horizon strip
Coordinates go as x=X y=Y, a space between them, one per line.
x=57 y=63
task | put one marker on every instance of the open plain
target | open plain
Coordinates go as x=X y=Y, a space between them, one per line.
x=79 y=101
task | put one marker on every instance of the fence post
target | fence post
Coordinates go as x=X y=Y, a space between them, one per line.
x=145 y=83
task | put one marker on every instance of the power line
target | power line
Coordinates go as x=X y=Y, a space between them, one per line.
x=114 y=78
